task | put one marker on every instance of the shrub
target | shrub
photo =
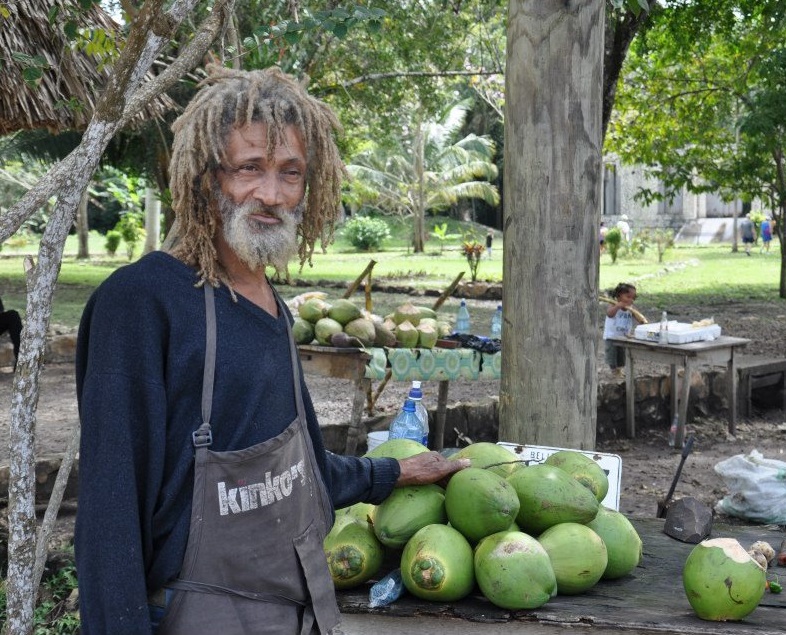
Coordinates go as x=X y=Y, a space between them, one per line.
x=113 y=238
x=613 y=242
x=130 y=228
x=366 y=233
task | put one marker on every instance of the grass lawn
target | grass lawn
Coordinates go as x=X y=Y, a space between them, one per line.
x=702 y=275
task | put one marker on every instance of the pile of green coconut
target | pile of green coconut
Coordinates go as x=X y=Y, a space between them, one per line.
x=342 y=323
x=519 y=534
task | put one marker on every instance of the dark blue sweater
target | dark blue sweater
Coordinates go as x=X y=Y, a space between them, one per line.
x=139 y=368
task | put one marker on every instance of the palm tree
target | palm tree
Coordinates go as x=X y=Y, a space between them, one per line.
x=429 y=173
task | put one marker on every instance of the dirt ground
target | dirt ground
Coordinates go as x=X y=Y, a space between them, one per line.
x=648 y=464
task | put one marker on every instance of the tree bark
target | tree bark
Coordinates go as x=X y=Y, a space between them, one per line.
x=124 y=96
x=552 y=200
x=83 y=228
x=419 y=195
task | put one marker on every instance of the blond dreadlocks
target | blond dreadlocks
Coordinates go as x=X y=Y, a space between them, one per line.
x=233 y=99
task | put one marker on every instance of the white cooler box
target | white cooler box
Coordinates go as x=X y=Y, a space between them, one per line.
x=679 y=332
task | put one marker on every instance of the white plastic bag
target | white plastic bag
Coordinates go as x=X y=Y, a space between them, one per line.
x=757 y=488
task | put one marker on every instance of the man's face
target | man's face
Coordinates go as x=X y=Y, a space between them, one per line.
x=261 y=200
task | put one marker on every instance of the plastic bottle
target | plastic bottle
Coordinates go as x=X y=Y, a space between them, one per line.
x=663 y=336
x=673 y=431
x=416 y=395
x=462 y=318
x=407 y=425
x=496 y=323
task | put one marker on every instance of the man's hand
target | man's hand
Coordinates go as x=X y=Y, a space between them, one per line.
x=428 y=467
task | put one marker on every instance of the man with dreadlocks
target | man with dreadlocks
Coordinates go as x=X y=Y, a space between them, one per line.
x=205 y=487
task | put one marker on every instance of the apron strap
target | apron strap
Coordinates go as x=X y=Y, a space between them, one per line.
x=294 y=356
x=203 y=436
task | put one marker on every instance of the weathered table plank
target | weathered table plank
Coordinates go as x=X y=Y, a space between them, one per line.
x=650 y=599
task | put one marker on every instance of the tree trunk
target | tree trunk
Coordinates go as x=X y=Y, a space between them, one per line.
x=419 y=198
x=553 y=178
x=152 y=220
x=83 y=228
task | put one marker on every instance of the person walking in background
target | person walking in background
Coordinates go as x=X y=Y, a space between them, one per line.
x=619 y=323
x=747 y=234
x=766 y=235
x=205 y=488
x=11 y=323
x=624 y=226
x=489 y=241
x=602 y=236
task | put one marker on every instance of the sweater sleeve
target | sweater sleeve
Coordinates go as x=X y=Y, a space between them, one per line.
x=120 y=455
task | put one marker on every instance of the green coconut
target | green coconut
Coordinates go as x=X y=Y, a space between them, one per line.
x=584 y=469
x=390 y=325
x=313 y=310
x=407 y=312
x=479 y=503
x=549 y=496
x=358 y=513
x=397 y=449
x=577 y=554
x=513 y=571
x=427 y=335
x=722 y=581
x=406 y=510
x=362 y=329
x=623 y=543
x=353 y=553
x=407 y=335
x=325 y=328
x=343 y=311
x=488 y=455
x=429 y=321
x=437 y=564
x=444 y=328
x=302 y=331
x=426 y=312
x=383 y=336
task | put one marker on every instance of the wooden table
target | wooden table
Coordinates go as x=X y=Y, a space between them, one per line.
x=350 y=363
x=719 y=352
x=649 y=600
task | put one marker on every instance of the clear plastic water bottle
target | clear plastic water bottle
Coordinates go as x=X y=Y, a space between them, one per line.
x=496 y=323
x=407 y=425
x=673 y=431
x=462 y=318
x=416 y=395
x=663 y=336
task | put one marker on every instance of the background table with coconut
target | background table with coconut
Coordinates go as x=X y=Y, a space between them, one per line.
x=363 y=366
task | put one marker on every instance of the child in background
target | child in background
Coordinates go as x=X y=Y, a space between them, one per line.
x=619 y=323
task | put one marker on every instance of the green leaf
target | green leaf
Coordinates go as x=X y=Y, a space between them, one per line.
x=86 y=4
x=32 y=75
x=374 y=26
x=22 y=58
x=262 y=30
x=40 y=61
x=70 y=30
x=340 y=30
x=292 y=37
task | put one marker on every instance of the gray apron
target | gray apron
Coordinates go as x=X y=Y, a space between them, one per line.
x=254 y=562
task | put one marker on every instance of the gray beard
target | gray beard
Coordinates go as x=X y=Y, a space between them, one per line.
x=258 y=245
